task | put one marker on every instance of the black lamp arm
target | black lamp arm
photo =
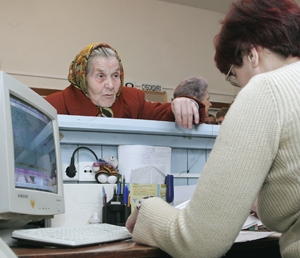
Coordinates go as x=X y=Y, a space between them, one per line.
x=71 y=170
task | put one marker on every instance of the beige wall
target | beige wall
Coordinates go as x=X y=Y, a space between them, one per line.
x=159 y=43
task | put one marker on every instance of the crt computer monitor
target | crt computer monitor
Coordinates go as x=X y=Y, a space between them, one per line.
x=31 y=186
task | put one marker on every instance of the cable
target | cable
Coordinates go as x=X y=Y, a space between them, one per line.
x=71 y=170
x=188 y=170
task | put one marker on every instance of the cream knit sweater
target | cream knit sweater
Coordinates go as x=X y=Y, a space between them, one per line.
x=257 y=153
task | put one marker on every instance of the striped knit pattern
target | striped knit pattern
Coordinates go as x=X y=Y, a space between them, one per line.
x=257 y=153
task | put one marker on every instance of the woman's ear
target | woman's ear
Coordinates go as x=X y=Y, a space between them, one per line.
x=253 y=57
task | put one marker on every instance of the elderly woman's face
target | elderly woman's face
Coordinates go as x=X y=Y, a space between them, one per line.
x=103 y=81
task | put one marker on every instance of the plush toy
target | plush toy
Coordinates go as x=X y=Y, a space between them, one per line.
x=105 y=171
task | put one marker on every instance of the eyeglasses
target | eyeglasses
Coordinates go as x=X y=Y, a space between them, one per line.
x=230 y=77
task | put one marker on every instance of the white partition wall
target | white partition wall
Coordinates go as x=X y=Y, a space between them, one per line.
x=190 y=148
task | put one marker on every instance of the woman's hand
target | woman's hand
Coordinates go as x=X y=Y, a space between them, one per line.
x=130 y=223
x=185 y=111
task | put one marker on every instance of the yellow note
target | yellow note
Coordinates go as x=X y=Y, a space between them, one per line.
x=138 y=191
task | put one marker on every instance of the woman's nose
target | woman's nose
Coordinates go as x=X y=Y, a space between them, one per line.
x=109 y=83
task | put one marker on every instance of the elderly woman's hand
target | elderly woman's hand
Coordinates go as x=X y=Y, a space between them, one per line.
x=185 y=111
x=130 y=223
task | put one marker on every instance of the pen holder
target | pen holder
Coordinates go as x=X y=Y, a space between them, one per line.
x=115 y=211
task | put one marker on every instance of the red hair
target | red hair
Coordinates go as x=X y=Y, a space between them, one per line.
x=271 y=24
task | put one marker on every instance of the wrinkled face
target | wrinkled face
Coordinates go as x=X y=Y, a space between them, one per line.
x=103 y=81
x=206 y=102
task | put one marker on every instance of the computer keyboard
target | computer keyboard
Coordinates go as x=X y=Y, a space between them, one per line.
x=73 y=235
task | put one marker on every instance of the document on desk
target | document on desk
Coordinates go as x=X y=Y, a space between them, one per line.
x=143 y=164
x=248 y=235
x=251 y=221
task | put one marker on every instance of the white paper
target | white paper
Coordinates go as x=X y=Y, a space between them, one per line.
x=245 y=236
x=183 y=193
x=136 y=157
x=149 y=174
x=182 y=205
x=251 y=221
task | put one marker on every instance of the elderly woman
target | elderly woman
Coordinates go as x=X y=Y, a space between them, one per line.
x=256 y=153
x=96 y=76
x=195 y=87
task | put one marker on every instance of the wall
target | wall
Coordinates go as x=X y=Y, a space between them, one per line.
x=159 y=43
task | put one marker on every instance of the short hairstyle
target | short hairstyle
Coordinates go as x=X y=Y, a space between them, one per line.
x=271 y=24
x=193 y=86
x=209 y=116
x=101 y=52
x=222 y=112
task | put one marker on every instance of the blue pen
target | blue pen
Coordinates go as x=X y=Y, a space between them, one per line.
x=119 y=188
x=169 y=181
x=125 y=195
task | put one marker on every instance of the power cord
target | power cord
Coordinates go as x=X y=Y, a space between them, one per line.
x=71 y=170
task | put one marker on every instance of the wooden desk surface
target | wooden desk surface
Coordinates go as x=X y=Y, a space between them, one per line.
x=267 y=247
x=122 y=249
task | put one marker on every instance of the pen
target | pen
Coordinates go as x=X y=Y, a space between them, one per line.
x=105 y=199
x=169 y=181
x=123 y=183
x=119 y=189
x=125 y=195
x=103 y=196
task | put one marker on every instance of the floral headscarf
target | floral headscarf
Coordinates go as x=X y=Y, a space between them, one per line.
x=77 y=70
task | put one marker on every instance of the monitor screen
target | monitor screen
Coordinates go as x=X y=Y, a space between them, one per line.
x=33 y=140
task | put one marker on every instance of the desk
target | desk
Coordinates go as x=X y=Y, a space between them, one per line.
x=267 y=247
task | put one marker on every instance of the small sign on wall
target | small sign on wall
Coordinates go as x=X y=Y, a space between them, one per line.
x=151 y=87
